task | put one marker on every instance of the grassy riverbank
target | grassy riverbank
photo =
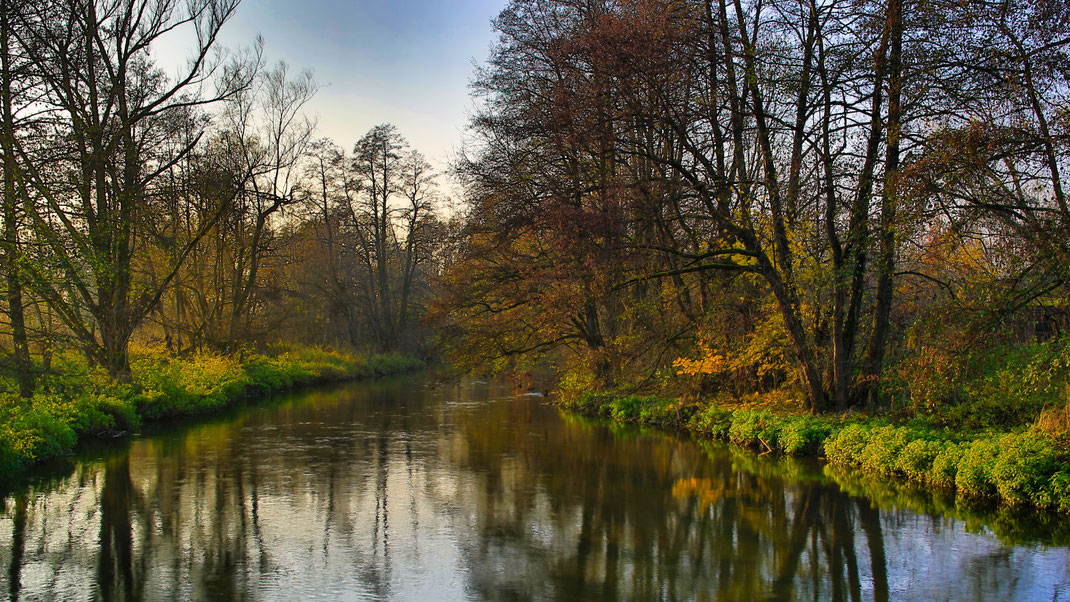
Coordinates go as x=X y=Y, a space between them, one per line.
x=76 y=400
x=1020 y=468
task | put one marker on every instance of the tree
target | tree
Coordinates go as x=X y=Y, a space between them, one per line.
x=391 y=216
x=270 y=138
x=708 y=146
x=13 y=64
x=96 y=168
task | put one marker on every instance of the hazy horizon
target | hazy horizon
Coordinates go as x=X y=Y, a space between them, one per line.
x=375 y=61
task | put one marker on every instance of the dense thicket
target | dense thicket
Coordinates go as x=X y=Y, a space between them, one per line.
x=841 y=198
x=190 y=208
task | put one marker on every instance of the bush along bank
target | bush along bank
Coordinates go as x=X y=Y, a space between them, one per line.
x=1025 y=468
x=78 y=400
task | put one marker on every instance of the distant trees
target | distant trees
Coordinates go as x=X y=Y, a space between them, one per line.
x=308 y=248
x=376 y=211
x=166 y=207
x=740 y=172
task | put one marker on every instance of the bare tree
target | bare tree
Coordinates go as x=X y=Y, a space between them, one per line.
x=269 y=135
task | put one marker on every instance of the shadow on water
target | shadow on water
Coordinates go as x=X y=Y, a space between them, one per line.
x=405 y=490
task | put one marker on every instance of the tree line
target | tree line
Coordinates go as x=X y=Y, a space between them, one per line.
x=194 y=209
x=828 y=195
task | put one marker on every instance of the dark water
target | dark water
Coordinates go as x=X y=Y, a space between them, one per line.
x=397 y=490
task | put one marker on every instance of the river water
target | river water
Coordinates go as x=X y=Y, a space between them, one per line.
x=407 y=490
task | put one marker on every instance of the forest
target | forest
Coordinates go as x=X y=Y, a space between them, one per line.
x=836 y=227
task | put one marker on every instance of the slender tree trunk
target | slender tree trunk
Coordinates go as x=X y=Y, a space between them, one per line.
x=886 y=261
x=11 y=247
x=381 y=264
x=859 y=227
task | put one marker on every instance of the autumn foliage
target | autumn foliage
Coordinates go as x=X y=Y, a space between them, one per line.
x=859 y=202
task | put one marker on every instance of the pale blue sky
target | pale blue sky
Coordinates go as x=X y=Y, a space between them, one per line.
x=406 y=62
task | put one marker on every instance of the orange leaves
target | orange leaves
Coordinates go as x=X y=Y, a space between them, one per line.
x=709 y=362
x=703 y=489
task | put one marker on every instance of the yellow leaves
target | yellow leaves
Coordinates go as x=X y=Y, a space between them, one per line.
x=709 y=362
x=762 y=354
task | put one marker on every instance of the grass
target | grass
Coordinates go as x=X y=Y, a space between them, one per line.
x=78 y=400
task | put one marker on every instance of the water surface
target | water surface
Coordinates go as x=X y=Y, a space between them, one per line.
x=408 y=490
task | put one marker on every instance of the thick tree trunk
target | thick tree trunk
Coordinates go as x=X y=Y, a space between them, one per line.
x=114 y=353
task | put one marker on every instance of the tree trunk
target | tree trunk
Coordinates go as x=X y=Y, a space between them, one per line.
x=11 y=251
x=886 y=260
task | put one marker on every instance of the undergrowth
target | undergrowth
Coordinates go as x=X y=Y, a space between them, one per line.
x=77 y=400
x=1025 y=467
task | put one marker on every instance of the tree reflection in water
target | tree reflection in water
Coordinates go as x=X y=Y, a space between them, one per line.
x=397 y=490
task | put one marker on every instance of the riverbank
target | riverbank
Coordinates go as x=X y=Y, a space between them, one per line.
x=78 y=401
x=1023 y=468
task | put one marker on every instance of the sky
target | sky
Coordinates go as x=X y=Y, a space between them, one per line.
x=406 y=62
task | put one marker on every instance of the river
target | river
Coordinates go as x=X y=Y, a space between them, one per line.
x=407 y=489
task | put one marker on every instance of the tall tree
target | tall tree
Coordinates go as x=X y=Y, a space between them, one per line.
x=773 y=140
x=389 y=220
x=269 y=135
x=95 y=171
x=12 y=78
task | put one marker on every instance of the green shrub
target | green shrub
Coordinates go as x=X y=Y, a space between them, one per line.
x=1058 y=489
x=712 y=420
x=882 y=450
x=974 y=478
x=804 y=435
x=751 y=428
x=1025 y=465
x=97 y=412
x=392 y=363
x=36 y=434
x=846 y=447
x=589 y=401
x=265 y=376
x=662 y=411
x=625 y=409
x=915 y=460
x=11 y=461
x=945 y=466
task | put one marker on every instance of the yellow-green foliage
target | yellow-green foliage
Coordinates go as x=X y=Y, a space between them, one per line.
x=803 y=435
x=79 y=399
x=983 y=387
x=974 y=477
x=755 y=428
x=1022 y=468
x=644 y=410
x=30 y=432
x=846 y=446
x=174 y=386
x=712 y=420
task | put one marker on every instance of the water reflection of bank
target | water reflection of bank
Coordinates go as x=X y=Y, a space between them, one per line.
x=401 y=491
